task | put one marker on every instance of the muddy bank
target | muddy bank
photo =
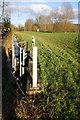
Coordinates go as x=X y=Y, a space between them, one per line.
x=8 y=82
x=7 y=42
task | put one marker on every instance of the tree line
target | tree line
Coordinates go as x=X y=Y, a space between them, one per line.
x=59 y=20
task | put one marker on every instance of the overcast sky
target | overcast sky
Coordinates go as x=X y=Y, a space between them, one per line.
x=20 y=11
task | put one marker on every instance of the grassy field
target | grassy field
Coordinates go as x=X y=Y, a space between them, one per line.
x=60 y=41
x=58 y=59
x=57 y=54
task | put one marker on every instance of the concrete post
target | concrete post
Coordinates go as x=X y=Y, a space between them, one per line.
x=20 y=62
x=33 y=41
x=13 y=55
x=23 y=69
x=34 y=66
x=15 y=62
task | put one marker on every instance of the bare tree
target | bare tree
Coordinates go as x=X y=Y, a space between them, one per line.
x=67 y=11
x=67 y=14
x=3 y=8
x=28 y=24
x=54 y=14
x=43 y=22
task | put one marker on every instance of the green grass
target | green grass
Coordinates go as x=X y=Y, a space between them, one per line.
x=61 y=41
x=59 y=63
x=59 y=49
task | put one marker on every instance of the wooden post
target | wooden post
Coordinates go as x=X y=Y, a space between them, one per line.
x=26 y=46
x=34 y=67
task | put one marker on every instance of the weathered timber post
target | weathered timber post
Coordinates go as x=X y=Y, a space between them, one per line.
x=26 y=46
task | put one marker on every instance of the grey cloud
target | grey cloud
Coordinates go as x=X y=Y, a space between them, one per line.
x=33 y=9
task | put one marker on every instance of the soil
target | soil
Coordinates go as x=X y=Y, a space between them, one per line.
x=7 y=42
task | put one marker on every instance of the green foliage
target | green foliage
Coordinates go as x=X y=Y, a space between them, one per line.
x=6 y=28
x=59 y=74
x=58 y=59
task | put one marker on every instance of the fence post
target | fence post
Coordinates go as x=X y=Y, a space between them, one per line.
x=33 y=41
x=13 y=55
x=15 y=62
x=23 y=69
x=34 y=67
x=26 y=46
x=20 y=62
